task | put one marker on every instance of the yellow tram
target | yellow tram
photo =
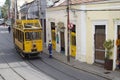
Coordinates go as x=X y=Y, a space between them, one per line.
x=27 y=36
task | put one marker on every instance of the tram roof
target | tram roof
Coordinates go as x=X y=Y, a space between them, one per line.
x=28 y=24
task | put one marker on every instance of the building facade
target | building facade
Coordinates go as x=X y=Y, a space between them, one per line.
x=102 y=24
x=93 y=22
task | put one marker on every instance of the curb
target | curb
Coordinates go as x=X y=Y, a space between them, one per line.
x=85 y=70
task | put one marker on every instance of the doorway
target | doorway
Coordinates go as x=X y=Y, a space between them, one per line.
x=53 y=35
x=62 y=39
x=99 y=39
x=118 y=47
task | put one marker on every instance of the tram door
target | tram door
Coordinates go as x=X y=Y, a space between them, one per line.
x=53 y=35
x=99 y=40
x=73 y=41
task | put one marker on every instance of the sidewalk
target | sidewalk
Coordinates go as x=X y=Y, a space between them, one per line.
x=90 y=68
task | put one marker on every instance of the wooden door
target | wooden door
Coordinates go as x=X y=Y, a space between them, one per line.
x=99 y=40
x=62 y=40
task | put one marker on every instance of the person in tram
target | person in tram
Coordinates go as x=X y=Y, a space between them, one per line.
x=50 y=49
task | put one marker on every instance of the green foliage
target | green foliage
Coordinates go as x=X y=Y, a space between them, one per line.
x=108 y=45
x=5 y=8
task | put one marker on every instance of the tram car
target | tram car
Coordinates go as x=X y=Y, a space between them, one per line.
x=27 y=37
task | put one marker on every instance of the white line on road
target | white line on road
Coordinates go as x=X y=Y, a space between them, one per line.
x=4 y=32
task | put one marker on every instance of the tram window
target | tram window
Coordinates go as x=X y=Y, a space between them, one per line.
x=32 y=35
x=36 y=35
x=28 y=25
x=20 y=37
x=28 y=35
x=17 y=34
x=37 y=25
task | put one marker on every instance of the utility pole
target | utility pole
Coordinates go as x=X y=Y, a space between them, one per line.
x=38 y=4
x=9 y=9
x=68 y=28
x=15 y=10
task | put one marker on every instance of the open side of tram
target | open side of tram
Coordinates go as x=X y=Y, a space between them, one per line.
x=27 y=36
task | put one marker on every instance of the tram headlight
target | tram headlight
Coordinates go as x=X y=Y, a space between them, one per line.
x=34 y=45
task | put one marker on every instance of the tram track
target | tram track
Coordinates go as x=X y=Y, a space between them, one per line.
x=2 y=77
x=12 y=69
x=6 y=61
x=37 y=67
x=40 y=69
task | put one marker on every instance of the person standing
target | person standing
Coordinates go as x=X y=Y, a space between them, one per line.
x=9 y=29
x=50 y=49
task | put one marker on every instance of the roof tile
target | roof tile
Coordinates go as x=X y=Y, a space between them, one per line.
x=80 y=1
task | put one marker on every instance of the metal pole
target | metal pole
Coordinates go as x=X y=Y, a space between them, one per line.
x=68 y=24
x=38 y=4
x=41 y=17
x=15 y=11
x=9 y=10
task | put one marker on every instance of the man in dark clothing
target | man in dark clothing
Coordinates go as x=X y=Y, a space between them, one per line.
x=50 y=49
x=9 y=29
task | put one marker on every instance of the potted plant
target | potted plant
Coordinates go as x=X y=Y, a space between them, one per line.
x=108 y=45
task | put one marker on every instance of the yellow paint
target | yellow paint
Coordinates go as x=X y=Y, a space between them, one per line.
x=19 y=44
x=73 y=44
x=53 y=40
x=28 y=45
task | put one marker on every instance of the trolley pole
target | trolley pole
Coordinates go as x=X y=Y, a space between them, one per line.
x=68 y=25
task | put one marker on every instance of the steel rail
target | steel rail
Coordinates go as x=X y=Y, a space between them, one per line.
x=51 y=67
x=13 y=68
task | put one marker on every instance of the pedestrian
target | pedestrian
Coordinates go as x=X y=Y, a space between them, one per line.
x=50 y=49
x=9 y=29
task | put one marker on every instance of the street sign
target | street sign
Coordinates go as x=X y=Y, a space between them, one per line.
x=70 y=25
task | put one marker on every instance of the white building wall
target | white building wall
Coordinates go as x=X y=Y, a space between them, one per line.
x=53 y=16
x=81 y=35
x=76 y=17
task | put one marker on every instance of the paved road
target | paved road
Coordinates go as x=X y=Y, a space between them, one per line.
x=13 y=67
